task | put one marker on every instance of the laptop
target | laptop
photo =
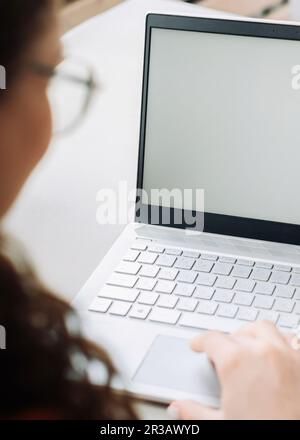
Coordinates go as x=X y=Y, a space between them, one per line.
x=215 y=242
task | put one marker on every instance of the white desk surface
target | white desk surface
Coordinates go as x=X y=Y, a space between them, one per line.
x=55 y=217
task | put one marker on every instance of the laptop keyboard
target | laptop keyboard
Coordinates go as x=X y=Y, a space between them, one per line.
x=187 y=288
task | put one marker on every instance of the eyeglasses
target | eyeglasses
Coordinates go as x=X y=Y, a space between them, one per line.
x=70 y=92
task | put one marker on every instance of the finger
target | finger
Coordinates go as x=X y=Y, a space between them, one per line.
x=289 y=337
x=214 y=344
x=219 y=348
x=292 y=340
x=189 y=410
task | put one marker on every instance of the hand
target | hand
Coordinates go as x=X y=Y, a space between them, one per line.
x=259 y=372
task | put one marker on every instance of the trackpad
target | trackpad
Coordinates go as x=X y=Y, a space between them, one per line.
x=170 y=363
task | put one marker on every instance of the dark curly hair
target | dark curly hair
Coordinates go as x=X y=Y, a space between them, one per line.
x=48 y=367
x=47 y=364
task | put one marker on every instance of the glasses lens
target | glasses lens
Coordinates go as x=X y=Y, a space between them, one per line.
x=69 y=94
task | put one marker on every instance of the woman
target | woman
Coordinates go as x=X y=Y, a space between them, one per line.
x=48 y=370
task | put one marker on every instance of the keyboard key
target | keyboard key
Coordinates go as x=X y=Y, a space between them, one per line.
x=241 y=272
x=173 y=251
x=229 y=260
x=146 y=284
x=260 y=274
x=187 y=304
x=295 y=280
x=264 y=288
x=297 y=308
x=207 y=307
x=139 y=312
x=243 y=299
x=285 y=291
x=206 y=279
x=187 y=276
x=184 y=263
x=266 y=315
x=209 y=322
x=191 y=254
x=284 y=305
x=122 y=280
x=222 y=295
x=131 y=255
x=148 y=298
x=139 y=245
x=245 y=285
x=100 y=305
x=247 y=314
x=168 y=273
x=296 y=269
x=225 y=282
x=227 y=310
x=127 y=267
x=263 y=265
x=156 y=248
x=297 y=294
x=244 y=262
x=119 y=308
x=149 y=271
x=280 y=277
x=209 y=257
x=166 y=260
x=222 y=268
x=167 y=301
x=119 y=293
x=203 y=266
x=263 y=302
x=288 y=321
x=204 y=292
x=164 y=316
x=165 y=286
x=147 y=258
x=282 y=267
x=184 y=289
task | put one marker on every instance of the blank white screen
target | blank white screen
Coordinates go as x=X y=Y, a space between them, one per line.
x=223 y=116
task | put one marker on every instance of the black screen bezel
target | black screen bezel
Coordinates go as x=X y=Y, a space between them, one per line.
x=213 y=223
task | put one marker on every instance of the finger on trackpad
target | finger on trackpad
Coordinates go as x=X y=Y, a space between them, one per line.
x=170 y=363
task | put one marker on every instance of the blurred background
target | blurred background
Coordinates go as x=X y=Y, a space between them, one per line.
x=76 y=11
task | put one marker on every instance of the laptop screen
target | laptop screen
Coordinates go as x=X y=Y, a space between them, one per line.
x=223 y=115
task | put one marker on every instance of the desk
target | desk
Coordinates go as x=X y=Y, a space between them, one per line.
x=250 y=8
x=55 y=216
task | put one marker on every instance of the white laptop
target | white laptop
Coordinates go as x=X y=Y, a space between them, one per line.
x=220 y=122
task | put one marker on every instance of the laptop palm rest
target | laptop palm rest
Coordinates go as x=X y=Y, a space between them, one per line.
x=170 y=363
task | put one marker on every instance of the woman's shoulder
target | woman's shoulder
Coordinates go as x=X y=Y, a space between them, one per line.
x=14 y=253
